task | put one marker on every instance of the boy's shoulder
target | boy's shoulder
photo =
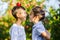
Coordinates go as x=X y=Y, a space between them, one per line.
x=39 y=25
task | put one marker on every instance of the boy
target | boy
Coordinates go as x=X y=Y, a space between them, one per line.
x=38 y=30
x=17 y=31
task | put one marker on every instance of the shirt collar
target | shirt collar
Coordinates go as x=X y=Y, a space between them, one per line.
x=40 y=22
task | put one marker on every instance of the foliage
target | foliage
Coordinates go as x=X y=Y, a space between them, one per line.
x=52 y=22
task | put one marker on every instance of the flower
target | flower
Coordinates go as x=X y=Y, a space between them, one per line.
x=18 y=4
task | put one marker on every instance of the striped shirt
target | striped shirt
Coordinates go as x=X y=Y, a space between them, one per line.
x=17 y=32
x=37 y=29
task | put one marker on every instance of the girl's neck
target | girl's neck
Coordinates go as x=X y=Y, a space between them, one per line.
x=18 y=22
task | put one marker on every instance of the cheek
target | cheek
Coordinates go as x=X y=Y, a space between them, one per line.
x=31 y=18
x=23 y=13
x=20 y=16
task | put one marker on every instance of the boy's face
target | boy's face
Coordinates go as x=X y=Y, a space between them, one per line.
x=31 y=16
x=21 y=14
x=35 y=18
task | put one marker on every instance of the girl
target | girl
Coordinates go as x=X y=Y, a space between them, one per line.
x=17 y=31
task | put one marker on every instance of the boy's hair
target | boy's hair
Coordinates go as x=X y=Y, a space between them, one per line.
x=38 y=11
x=15 y=8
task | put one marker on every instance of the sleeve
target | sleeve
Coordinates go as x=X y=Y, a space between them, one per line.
x=40 y=29
x=14 y=34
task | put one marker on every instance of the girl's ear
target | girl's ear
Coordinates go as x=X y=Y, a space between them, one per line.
x=18 y=15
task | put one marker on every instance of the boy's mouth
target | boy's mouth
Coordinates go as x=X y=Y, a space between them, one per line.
x=30 y=20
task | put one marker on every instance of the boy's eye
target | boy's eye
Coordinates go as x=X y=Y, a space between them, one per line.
x=31 y=14
x=43 y=14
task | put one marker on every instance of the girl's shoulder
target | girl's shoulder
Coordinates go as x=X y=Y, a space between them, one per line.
x=17 y=26
x=14 y=26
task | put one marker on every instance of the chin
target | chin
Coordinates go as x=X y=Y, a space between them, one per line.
x=24 y=19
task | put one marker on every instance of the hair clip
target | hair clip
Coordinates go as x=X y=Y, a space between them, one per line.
x=18 y=4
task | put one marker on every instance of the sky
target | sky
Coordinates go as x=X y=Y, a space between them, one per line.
x=3 y=7
x=53 y=3
x=49 y=3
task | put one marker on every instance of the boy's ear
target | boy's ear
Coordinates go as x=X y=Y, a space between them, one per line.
x=35 y=17
x=40 y=16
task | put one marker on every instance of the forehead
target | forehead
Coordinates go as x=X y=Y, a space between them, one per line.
x=20 y=10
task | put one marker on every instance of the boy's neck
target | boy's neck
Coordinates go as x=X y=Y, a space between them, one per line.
x=18 y=22
x=36 y=20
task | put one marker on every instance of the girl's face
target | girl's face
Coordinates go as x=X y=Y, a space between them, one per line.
x=21 y=14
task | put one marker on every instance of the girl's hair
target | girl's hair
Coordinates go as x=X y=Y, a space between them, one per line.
x=15 y=8
x=38 y=11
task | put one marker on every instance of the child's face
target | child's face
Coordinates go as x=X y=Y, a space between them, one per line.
x=21 y=14
x=31 y=16
x=35 y=18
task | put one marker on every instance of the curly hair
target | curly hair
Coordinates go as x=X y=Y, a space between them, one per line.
x=38 y=11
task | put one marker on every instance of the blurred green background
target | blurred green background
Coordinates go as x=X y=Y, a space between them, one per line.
x=51 y=22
